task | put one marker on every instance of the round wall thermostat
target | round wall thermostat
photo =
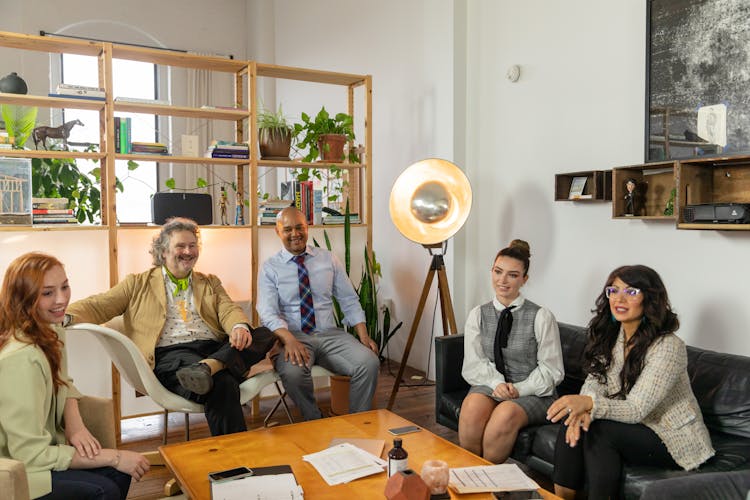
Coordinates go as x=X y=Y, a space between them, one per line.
x=514 y=73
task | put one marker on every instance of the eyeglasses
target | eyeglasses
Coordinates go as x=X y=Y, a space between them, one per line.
x=630 y=292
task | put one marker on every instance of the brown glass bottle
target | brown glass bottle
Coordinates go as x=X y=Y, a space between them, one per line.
x=397 y=458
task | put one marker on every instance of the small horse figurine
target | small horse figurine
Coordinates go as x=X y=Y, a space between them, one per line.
x=61 y=132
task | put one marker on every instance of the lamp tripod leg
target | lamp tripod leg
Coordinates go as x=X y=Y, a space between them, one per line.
x=446 y=304
x=412 y=333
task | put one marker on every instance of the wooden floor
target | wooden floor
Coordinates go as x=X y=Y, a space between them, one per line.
x=415 y=402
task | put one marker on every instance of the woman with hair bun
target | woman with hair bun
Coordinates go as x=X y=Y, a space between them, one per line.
x=636 y=405
x=512 y=359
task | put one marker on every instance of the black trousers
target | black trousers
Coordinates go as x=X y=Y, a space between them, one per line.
x=222 y=404
x=103 y=483
x=598 y=457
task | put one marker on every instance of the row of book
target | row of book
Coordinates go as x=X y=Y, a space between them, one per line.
x=52 y=211
x=228 y=149
x=79 y=92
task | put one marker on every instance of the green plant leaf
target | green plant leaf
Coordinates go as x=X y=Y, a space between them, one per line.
x=201 y=182
x=132 y=165
x=170 y=183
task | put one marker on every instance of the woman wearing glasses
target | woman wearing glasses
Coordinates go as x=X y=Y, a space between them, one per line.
x=512 y=359
x=636 y=405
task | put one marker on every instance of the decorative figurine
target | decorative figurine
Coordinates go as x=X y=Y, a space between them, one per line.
x=630 y=185
x=61 y=132
x=223 y=206
x=239 y=217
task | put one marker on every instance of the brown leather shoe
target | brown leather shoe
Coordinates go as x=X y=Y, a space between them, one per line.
x=196 y=378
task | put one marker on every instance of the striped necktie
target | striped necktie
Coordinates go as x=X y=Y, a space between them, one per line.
x=307 y=313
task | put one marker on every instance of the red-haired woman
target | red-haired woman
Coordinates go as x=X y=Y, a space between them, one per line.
x=41 y=424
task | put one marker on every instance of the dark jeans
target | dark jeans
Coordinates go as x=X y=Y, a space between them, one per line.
x=104 y=483
x=222 y=404
x=600 y=453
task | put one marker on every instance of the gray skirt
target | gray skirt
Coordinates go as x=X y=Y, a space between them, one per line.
x=534 y=406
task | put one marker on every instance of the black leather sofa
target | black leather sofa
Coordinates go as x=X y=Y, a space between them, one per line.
x=721 y=383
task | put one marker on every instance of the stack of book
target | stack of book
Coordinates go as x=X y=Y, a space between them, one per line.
x=123 y=143
x=228 y=149
x=52 y=211
x=270 y=208
x=79 y=92
x=339 y=219
x=149 y=148
x=141 y=100
x=6 y=142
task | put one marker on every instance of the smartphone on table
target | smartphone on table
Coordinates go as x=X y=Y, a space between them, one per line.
x=398 y=431
x=236 y=473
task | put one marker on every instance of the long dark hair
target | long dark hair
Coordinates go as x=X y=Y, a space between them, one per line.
x=658 y=320
x=22 y=287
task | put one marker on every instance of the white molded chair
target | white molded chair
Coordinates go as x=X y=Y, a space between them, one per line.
x=136 y=371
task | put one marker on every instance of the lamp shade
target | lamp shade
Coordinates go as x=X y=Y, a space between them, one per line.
x=430 y=201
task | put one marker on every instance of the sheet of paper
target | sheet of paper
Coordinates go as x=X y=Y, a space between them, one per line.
x=269 y=487
x=503 y=477
x=372 y=446
x=343 y=463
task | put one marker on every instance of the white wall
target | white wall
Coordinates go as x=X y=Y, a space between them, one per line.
x=579 y=105
x=407 y=47
x=440 y=90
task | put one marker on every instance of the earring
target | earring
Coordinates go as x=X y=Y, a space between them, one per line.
x=612 y=318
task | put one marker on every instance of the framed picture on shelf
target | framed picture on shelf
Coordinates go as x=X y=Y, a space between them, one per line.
x=697 y=79
x=15 y=191
x=576 y=188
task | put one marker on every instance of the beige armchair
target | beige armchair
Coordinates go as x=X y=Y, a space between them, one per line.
x=98 y=415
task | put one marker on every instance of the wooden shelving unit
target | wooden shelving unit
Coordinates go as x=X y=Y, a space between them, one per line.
x=598 y=186
x=245 y=75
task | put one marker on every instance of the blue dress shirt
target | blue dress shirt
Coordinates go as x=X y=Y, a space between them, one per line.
x=278 y=302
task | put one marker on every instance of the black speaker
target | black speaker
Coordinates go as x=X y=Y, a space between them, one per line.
x=196 y=206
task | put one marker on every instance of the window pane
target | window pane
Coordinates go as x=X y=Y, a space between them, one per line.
x=130 y=79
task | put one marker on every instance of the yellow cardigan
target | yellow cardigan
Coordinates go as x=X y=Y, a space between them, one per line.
x=31 y=413
x=141 y=299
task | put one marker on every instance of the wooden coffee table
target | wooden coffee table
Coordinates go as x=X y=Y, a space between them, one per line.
x=191 y=462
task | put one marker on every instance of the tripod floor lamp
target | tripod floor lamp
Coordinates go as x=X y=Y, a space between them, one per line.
x=429 y=203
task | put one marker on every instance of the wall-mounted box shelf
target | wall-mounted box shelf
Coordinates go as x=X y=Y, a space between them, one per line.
x=713 y=180
x=654 y=185
x=598 y=186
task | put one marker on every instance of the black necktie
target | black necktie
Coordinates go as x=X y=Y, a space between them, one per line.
x=504 y=324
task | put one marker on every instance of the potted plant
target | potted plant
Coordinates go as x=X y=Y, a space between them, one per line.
x=324 y=136
x=274 y=135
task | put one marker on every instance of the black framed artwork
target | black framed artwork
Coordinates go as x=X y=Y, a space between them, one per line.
x=697 y=78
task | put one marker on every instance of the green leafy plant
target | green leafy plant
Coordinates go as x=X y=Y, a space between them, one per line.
x=367 y=290
x=19 y=122
x=273 y=124
x=309 y=131
x=61 y=178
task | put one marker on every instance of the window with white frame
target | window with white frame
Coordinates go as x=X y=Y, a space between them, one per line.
x=130 y=79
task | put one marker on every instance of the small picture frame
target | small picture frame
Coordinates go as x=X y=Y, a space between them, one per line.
x=576 y=188
x=15 y=191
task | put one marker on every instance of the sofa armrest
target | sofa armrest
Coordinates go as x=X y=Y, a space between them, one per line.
x=99 y=417
x=13 y=482
x=449 y=359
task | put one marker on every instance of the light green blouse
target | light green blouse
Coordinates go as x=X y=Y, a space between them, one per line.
x=31 y=413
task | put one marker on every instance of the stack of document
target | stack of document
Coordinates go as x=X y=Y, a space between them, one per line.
x=481 y=478
x=344 y=462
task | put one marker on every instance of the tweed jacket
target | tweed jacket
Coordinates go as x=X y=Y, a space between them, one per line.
x=31 y=412
x=141 y=299
x=661 y=399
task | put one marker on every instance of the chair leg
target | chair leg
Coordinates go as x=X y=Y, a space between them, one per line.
x=166 y=425
x=280 y=401
x=187 y=428
x=172 y=487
